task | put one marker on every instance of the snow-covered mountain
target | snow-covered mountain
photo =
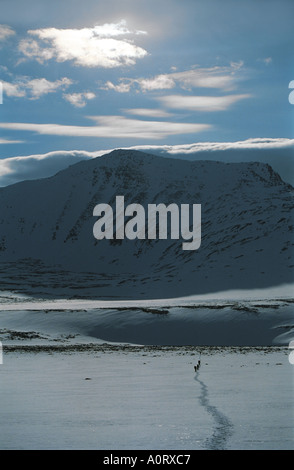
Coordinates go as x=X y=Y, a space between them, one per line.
x=47 y=242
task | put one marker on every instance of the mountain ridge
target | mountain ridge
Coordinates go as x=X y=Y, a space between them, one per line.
x=246 y=226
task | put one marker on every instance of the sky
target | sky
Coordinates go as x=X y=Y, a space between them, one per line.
x=91 y=76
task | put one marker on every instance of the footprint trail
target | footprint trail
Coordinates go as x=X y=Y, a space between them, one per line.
x=223 y=428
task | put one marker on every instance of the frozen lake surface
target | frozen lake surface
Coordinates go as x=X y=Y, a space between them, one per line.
x=129 y=397
x=86 y=375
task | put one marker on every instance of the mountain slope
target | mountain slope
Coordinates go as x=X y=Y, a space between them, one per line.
x=247 y=228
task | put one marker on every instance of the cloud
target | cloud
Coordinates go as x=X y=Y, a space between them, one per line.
x=15 y=169
x=160 y=82
x=121 y=88
x=201 y=103
x=34 y=88
x=41 y=86
x=213 y=77
x=5 y=32
x=6 y=141
x=113 y=127
x=266 y=60
x=115 y=29
x=148 y=112
x=248 y=144
x=79 y=100
x=100 y=46
x=13 y=89
x=32 y=50
x=5 y=70
x=224 y=78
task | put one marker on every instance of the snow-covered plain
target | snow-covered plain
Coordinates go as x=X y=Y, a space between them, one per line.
x=234 y=318
x=73 y=378
x=147 y=398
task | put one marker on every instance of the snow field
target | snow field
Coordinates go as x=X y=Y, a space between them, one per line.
x=148 y=398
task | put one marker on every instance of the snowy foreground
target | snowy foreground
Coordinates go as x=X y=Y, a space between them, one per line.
x=72 y=379
x=147 y=398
